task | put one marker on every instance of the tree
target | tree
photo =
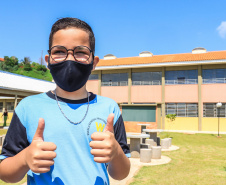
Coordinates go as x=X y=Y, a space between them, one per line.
x=12 y=61
x=171 y=118
x=27 y=60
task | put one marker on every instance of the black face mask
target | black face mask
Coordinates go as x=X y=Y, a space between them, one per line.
x=70 y=75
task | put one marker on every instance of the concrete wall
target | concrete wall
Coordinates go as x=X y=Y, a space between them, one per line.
x=92 y=86
x=181 y=93
x=188 y=123
x=213 y=93
x=211 y=124
x=117 y=93
x=182 y=123
x=131 y=126
x=146 y=93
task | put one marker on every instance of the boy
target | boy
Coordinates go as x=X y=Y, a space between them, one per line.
x=67 y=136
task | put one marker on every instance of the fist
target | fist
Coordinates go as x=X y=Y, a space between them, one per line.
x=103 y=144
x=40 y=154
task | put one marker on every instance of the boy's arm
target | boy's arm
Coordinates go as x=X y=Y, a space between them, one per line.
x=119 y=167
x=38 y=157
x=13 y=169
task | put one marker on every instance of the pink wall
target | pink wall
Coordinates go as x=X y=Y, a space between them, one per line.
x=181 y=93
x=145 y=93
x=117 y=93
x=92 y=86
x=214 y=93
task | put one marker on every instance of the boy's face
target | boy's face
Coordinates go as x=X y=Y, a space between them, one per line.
x=70 y=38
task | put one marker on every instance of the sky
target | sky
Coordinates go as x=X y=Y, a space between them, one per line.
x=123 y=28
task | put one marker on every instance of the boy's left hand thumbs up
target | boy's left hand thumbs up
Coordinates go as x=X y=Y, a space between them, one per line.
x=103 y=144
x=110 y=121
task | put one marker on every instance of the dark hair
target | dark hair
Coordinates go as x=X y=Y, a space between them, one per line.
x=69 y=22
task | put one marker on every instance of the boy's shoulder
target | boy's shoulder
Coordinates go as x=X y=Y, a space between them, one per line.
x=31 y=100
x=106 y=100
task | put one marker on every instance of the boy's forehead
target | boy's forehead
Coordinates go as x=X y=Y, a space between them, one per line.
x=70 y=36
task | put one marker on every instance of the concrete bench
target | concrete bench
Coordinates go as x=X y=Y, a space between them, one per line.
x=156 y=152
x=147 y=146
x=145 y=155
x=165 y=143
x=170 y=141
x=151 y=142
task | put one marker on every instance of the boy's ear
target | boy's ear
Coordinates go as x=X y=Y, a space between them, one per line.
x=95 y=62
x=46 y=59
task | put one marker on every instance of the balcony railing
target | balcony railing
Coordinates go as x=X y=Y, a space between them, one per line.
x=122 y=83
x=184 y=81
x=154 y=82
x=214 y=81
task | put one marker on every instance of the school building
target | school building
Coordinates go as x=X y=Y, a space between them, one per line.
x=148 y=87
x=15 y=87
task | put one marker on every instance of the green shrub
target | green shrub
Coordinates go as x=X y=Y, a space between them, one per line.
x=41 y=68
x=27 y=67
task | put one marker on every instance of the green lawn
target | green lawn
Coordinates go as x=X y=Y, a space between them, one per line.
x=3 y=132
x=200 y=160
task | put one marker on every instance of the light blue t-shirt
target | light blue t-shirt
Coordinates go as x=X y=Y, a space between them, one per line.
x=74 y=163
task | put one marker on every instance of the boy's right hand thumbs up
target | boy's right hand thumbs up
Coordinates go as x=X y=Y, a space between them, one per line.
x=40 y=130
x=40 y=154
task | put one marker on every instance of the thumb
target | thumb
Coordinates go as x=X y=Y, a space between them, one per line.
x=40 y=129
x=109 y=126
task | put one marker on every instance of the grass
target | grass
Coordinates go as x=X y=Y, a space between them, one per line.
x=3 y=132
x=35 y=74
x=200 y=160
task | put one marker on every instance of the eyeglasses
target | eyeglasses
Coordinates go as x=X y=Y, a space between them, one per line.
x=81 y=54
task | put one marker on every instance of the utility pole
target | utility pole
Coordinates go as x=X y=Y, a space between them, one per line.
x=41 y=57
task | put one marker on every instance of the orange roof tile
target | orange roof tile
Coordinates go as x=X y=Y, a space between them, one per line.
x=213 y=55
x=1 y=59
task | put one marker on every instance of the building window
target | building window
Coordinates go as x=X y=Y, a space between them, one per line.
x=182 y=109
x=210 y=76
x=1 y=106
x=115 y=79
x=181 y=77
x=10 y=106
x=147 y=78
x=210 y=110
x=93 y=77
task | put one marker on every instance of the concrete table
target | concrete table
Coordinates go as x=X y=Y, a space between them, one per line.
x=135 y=143
x=153 y=133
x=143 y=126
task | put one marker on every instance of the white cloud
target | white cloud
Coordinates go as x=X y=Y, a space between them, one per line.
x=222 y=29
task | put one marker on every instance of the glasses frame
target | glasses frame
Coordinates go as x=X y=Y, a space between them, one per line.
x=73 y=50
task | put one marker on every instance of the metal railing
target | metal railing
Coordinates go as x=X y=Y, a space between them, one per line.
x=153 y=82
x=184 y=81
x=214 y=81
x=121 y=83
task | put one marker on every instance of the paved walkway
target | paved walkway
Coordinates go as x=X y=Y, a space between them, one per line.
x=135 y=166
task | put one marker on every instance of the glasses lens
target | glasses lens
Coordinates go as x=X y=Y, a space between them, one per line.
x=58 y=53
x=82 y=54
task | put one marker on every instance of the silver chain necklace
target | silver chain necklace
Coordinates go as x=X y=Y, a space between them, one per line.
x=75 y=123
